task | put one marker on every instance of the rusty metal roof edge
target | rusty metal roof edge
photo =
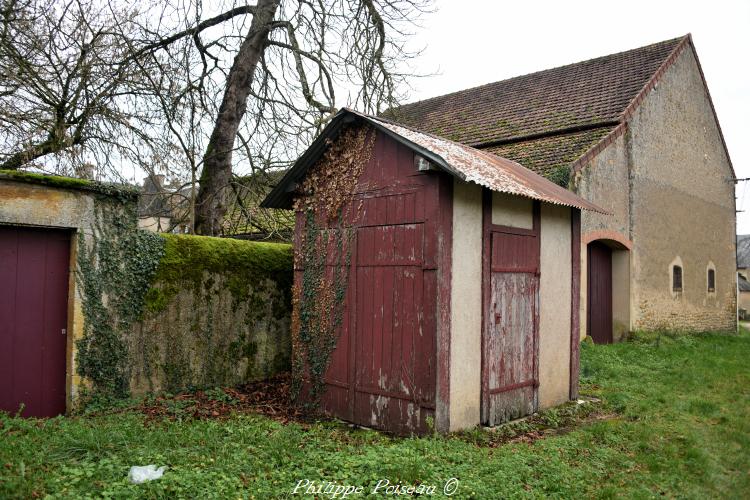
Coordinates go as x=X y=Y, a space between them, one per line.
x=549 y=197
x=281 y=197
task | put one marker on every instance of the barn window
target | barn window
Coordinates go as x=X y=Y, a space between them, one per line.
x=711 y=280
x=677 y=278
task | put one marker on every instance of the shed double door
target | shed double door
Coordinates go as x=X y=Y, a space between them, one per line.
x=34 y=278
x=511 y=318
x=382 y=372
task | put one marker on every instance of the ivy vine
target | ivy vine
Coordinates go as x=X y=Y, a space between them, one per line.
x=323 y=254
x=116 y=264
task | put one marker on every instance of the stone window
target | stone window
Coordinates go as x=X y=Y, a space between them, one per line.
x=676 y=278
x=711 y=280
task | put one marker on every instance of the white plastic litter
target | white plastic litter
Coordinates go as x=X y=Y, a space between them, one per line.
x=141 y=473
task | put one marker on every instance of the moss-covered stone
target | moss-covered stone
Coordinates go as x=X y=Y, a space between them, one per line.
x=217 y=314
x=186 y=259
x=118 y=190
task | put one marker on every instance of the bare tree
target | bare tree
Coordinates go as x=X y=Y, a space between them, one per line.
x=199 y=93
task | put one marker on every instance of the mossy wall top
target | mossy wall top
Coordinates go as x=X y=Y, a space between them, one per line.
x=218 y=314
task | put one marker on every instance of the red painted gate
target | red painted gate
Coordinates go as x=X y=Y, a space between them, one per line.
x=34 y=267
x=599 y=324
x=510 y=340
x=382 y=373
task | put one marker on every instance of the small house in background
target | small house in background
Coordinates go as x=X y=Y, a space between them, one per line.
x=154 y=210
x=457 y=277
x=743 y=266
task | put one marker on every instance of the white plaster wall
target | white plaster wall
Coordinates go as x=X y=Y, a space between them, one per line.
x=555 y=307
x=466 y=307
x=513 y=211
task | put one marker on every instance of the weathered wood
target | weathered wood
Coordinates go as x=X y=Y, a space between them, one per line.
x=510 y=347
x=510 y=333
x=383 y=371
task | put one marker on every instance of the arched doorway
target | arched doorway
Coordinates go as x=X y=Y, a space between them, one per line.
x=607 y=290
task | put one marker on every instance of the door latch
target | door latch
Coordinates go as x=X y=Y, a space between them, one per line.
x=64 y=331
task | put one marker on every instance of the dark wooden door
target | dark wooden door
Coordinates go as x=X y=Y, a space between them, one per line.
x=510 y=340
x=599 y=324
x=34 y=267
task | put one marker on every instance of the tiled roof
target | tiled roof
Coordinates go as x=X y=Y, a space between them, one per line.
x=546 y=154
x=515 y=118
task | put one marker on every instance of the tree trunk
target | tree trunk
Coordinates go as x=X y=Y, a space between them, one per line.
x=217 y=160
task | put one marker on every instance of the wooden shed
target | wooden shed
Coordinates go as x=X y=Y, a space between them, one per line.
x=435 y=284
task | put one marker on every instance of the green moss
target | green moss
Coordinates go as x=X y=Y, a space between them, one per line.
x=118 y=190
x=559 y=175
x=186 y=259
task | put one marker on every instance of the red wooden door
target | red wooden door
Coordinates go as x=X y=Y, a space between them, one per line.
x=382 y=373
x=510 y=342
x=34 y=267
x=599 y=324
x=394 y=379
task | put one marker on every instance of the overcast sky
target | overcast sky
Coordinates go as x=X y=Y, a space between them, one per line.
x=472 y=42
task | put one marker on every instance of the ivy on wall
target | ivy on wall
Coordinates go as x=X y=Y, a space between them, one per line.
x=116 y=263
x=560 y=175
x=325 y=200
x=216 y=314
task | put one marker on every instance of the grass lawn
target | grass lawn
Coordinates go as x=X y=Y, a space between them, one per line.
x=675 y=421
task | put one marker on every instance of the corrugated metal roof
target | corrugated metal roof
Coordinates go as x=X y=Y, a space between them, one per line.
x=489 y=170
x=466 y=163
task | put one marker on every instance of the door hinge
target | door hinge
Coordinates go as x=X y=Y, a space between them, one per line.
x=64 y=331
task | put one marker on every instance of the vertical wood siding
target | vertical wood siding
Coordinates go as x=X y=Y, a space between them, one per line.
x=382 y=373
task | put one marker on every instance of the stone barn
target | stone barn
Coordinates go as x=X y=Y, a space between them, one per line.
x=635 y=133
x=435 y=284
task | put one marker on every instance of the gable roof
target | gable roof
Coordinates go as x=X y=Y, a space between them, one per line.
x=466 y=163
x=548 y=119
x=584 y=94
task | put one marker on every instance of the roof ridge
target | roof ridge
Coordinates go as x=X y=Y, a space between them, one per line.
x=627 y=113
x=655 y=77
x=488 y=84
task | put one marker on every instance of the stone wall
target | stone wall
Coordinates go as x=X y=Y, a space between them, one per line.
x=218 y=314
x=61 y=203
x=682 y=207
